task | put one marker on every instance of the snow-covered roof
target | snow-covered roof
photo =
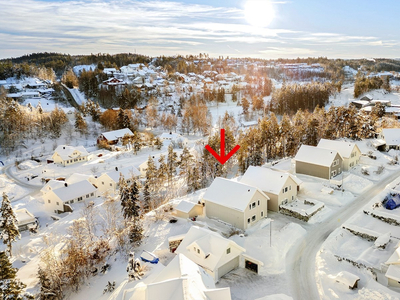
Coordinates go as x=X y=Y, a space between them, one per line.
x=344 y=148
x=116 y=134
x=24 y=216
x=315 y=155
x=392 y=136
x=185 y=206
x=393 y=272
x=67 y=152
x=182 y=279
x=347 y=278
x=76 y=177
x=230 y=193
x=74 y=190
x=212 y=248
x=170 y=135
x=266 y=179
x=52 y=185
x=126 y=172
x=394 y=258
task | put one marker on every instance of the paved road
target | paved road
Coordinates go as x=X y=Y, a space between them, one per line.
x=34 y=188
x=300 y=260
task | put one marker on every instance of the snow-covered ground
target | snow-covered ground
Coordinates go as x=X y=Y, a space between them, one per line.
x=344 y=244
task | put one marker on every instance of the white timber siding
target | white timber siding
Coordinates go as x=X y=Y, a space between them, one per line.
x=351 y=161
x=255 y=210
x=393 y=283
x=229 y=215
x=229 y=266
x=288 y=192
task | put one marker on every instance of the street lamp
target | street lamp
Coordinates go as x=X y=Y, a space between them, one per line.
x=270 y=233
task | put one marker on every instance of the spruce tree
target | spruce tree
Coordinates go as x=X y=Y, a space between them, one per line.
x=8 y=224
x=172 y=164
x=10 y=287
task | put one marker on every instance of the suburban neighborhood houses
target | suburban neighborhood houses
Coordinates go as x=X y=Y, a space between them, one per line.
x=111 y=191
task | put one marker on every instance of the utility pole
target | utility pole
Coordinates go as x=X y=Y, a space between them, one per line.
x=270 y=233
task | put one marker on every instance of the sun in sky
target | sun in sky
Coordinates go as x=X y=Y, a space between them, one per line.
x=259 y=13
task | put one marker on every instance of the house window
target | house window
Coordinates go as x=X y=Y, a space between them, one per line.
x=57 y=203
x=87 y=196
x=249 y=206
x=253 y=218
x=49 y=201
x=194 y=249
x=110 y=184
x=292 y=198
x=102 y=182
x=253 y=205
x=262 y=214
x=66 y=202
x=92 y=194
x=198 y=251
x=55 y=211
x=248 y=220
x=72 y=201
x=258 y=203
x=334 y=173
x=285 y=189
x=290 y=187
x=80 y=199
x=228 y=250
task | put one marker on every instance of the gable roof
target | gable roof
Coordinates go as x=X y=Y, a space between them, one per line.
x=66 y=152
x=185 y=206
x=52 y=185
x=182 y=279
x=392 y=136
x=116 y=134
x=315 y=155
x=394 y=258
x=74 y=190
x=212 y=245
x=126 y=172
x=344 y=148
x=230 y=193
x=267 y=179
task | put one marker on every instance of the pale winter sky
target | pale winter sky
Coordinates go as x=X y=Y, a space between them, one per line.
x=237 y=28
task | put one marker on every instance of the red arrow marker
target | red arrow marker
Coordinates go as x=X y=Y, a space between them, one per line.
x=222 y=158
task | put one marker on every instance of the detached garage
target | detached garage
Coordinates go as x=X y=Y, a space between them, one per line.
x=251 y=263
x=187 y=209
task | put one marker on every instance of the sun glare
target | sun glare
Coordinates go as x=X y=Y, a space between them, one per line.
x=259 y=13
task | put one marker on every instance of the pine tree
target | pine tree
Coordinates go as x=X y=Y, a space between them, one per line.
x=8 y=224
x=10 y=287
x=147 y=205
x=172 y=164
x=6 y=269
x=130 y=200
x=80 y=123
x=162 y=172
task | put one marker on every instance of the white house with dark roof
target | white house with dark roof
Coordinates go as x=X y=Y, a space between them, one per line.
x=113 y=137
x=214 y=253
x=280 y=187
x=59 y=199
x=391 y=136
x=236 y=203
x=109 y=182
x=68 y=155
x=181 y=279
x=318 y=162
x=349 y=151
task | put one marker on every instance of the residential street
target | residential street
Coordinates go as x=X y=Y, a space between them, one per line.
x=300 y=260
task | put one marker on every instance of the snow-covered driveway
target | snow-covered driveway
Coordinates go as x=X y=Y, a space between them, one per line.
x=300 y=260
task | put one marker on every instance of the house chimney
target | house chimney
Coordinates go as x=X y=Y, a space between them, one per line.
x=64 y=147
x=116 y=168
x=66 y=184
